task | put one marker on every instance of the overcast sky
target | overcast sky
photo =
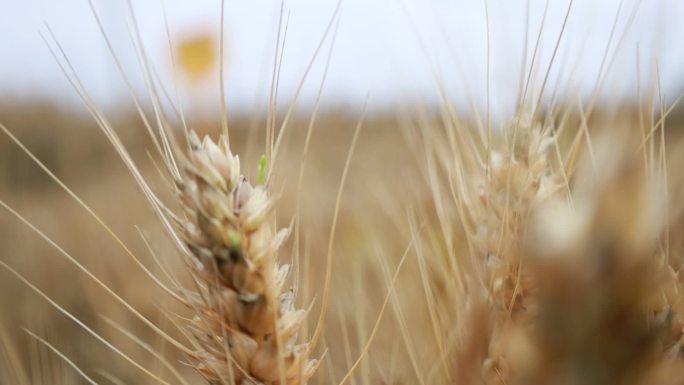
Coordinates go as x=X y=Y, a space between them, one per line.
x=394 y=51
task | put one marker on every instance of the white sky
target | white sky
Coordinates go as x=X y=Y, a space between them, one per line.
x=377 y=52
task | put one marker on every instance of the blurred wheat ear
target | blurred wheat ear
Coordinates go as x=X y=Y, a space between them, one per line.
x=573 y=267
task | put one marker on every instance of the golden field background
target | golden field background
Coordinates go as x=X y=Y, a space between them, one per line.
x=431 y=195
x=386 y=185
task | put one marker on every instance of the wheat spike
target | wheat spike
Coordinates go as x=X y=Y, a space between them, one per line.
x=245 y=327
x=579 y=282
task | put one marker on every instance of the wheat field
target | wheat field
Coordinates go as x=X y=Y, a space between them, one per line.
x=431 y=243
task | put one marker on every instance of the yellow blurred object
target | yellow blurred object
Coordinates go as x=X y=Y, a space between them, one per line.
x=197 y=55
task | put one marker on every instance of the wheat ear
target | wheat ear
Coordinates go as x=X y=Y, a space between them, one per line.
x=244 y=327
